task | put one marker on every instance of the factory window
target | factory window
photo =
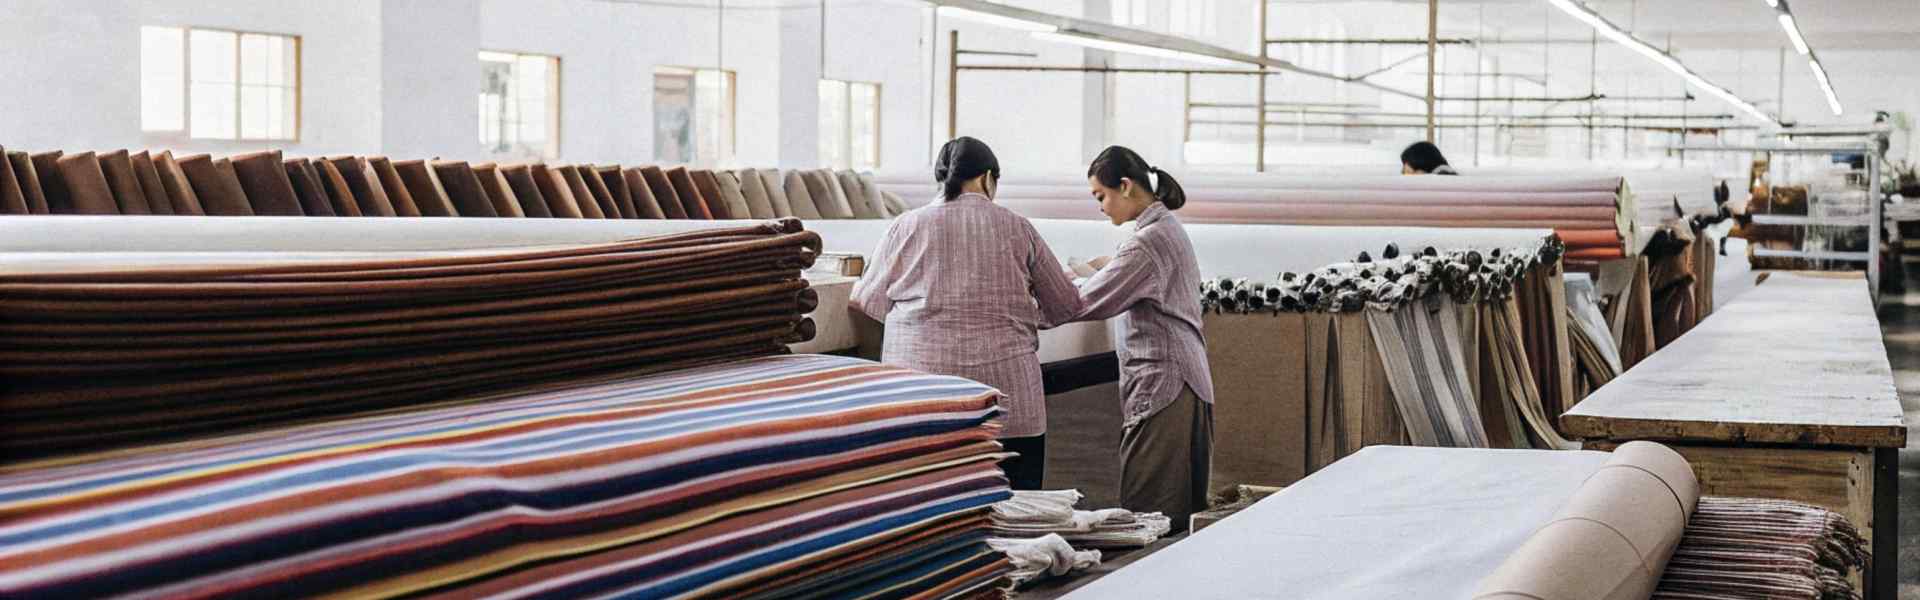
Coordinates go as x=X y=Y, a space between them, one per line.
x=1130 y=13
x=850 y=124
x=693 y=115
x=520 y=104
x=217 y=84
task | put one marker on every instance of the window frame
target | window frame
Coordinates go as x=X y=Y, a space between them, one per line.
x=185 y=132
x=555 y=87
x=846 y=134
x=731 y=79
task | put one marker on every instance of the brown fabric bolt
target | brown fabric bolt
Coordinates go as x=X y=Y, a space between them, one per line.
x=149 y=177
x=86 y=185
x=13 y=201
x=709 y=187
x=463 y=188
x=127 y=191
x=777 y=193
x=520 y=179
x=609 y=206
x=29 y=179
x=499 y=194
x=47 y=166
x=690 y=200
x=263 y=175
x=759 y=205
x=616 y=183
x=805 y=205
x=644 y=204
x=428 y=193
x=396 y=188
x=307 y=187
x=826 y=194
x=559 y=195
x=179 y=188
x=732 y=195
x=363 y=183
x=663 y=192
x=339 y=193
x=589 y=205
x=218 y=188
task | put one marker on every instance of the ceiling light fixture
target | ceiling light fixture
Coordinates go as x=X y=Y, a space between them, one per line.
x=1793 y=33
x=993 y=19
x=1581 y=12
x=1081 y=39
x=1792 y=28
x=1820 y=75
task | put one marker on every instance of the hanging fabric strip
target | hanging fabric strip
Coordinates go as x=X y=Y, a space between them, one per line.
x=1420 y=347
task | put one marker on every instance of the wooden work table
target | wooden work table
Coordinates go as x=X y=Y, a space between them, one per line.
x=1784 y=393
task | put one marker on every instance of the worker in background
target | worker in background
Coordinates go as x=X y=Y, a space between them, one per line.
x=1424 y=158
x=1152 y=284
x=964 y=286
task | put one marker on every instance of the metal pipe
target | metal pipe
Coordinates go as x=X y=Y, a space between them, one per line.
x=1140 y=70
x=1368 y=41
x=1000 y=53
x=1433 y=38
x=1702 y=129
x=1260 y=81
x=953 y=83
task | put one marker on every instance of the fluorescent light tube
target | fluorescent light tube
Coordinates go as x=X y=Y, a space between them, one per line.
x=1130 y=48
x=1793 y=33
x=993 y=19
x=1580 y=12
x=1820 y=75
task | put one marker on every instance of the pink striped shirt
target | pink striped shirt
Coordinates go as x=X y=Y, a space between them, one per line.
x=1153 y=286
x=964 y=286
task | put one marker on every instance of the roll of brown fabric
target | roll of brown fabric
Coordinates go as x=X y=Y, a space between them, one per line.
x=263 y=176
x=463 y=189
x=602 y=194
x=29 y=179
x=499 y=193
x=664 y=192
x=577 y=185
x=826 y=194
x=404 y=204
x=644 y=203
x=338 y=191
x=520 y=179
x=149 y=177
x=13 y=201
x=777 y=193
x=731 y=195
x=709 y=187
x=86 y=185
x=47 y=166
x=179 y=188
x=754 y=189
x=800 y=194
x=218 y=188
x=306 y=187
x=690 y=200
x=426 y=189
x=616 y=184
x=559 y=195
x=363 y=183
x=127 y=191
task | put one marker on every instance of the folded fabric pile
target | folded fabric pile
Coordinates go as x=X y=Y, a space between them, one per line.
x=268 y=183
x=132 y=350
x=1033 y=514
x=1737 y=548
x=793 y=476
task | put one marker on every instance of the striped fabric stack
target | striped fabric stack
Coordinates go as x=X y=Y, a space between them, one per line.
x=269 y=183
x=117 y=349
x=795 y=476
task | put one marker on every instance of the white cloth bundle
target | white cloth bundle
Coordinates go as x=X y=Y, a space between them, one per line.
x=1048 y=555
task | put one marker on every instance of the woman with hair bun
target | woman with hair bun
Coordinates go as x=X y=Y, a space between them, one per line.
x=1152 y=284
x=964 y=286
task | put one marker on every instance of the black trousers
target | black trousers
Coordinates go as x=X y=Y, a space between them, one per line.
x=1025 y=471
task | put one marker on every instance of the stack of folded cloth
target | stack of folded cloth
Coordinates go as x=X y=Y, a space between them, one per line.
x=128 y=349
x=1044 y=556
x=781 y=476
x=1033 y=514
x=269 y=183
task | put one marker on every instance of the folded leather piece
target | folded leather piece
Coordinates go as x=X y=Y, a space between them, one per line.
x=128 y=193
x=179 y=188
x=150 y=185
x=307 y=187
x=12 y=200
x=86 y=185
x=499 y=192
x=29 y=179
x=520 y=179
x=463 y=189
x=263 y=176
x=645 y=205
x=577 y=185
x=616 y=184
x=777 y=193
x=398 y=193
x=215 y=184
x=558 y=193
x=733 y=196
x=47 y=166
x=602 y=195
x=664 y=192
x=801 y=196
x=363 y=182
x=709 y=187
x=426 y=189
x=335 y=188
x=691 y=202
x=754 y=191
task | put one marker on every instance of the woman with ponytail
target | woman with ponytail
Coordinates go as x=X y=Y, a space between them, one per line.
x=1152 y=285
x=964 y=286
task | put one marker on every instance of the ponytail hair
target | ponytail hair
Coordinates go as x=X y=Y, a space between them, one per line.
x=961 y=160
x=1118 y=162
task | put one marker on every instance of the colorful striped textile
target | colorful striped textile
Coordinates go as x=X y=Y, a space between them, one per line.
x=768 y=477
x=1741 y=548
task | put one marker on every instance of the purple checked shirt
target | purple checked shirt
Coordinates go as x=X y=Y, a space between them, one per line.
x=964 y=286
